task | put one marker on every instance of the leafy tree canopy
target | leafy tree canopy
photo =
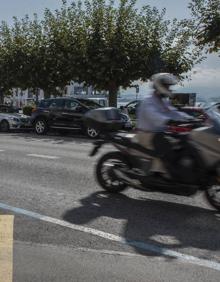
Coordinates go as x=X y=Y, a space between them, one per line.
x=122 y=44
x=207 y=16
x=98 y=43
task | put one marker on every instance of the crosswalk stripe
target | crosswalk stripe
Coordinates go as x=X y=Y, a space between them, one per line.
x=6 y=248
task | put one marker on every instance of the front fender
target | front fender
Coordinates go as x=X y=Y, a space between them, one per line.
x=216 y=169
x=214 y=172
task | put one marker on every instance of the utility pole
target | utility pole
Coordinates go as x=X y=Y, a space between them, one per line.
x=136 y=86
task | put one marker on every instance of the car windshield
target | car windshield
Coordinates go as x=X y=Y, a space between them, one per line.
x=45 y=103
x=89 y=103
x=214 y=116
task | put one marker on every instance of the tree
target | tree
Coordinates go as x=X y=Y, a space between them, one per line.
x=7 y=78
x=97 y=43
x=44 y=53
x=207 y=18
x=124 y=44
x=22 y=54
x=36 y=54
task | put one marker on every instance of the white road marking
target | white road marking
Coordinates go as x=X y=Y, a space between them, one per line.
x=81 y=249
x=106 y=252
x=108 y=236
x=6 y=247
x=2 y=150
x=42 y=156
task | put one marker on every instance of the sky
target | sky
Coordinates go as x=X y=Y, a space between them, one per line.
x=206 y=76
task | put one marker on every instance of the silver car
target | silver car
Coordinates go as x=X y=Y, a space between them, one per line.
x=10 y=121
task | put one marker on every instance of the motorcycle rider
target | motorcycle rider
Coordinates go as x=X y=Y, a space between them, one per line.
x=153 y=115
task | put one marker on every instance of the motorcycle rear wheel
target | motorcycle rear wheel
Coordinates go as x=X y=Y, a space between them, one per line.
x=105 y=174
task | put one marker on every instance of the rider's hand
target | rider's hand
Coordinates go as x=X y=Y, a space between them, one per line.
x=194 y=120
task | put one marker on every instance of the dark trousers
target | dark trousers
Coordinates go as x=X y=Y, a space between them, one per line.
x=180 y=158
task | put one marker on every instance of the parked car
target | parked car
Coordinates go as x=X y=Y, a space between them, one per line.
x=8 y=109
x=196 y=112
x=131 y=110
x=10 y=121
x=66 y=113
x=102 y=101
x=215 y=107
x=132 y=106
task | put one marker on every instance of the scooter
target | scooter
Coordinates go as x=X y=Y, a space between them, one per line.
x=192 y=165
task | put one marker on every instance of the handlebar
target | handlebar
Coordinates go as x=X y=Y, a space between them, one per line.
x=183 y=126
x=179 y=122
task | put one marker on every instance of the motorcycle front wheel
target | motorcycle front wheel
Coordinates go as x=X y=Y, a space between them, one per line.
x=105 y=171
x=213 y=194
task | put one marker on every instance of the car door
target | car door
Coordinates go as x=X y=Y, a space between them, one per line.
x=72 y=113
x=55 y=113
x=132 y=109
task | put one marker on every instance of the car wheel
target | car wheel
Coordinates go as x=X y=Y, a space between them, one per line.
x=91 y=132
x=4 y=126
x=41 y=126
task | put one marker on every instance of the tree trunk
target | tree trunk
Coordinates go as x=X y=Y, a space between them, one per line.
x=46 y=93
x=36 y=93
x=1 y=97
x=112 y=99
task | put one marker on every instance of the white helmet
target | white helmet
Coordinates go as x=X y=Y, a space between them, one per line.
x=162 y=81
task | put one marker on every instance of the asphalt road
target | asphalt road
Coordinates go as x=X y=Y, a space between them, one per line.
x=67 y=229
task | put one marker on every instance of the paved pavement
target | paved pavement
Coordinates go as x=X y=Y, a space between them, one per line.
x=68 y=229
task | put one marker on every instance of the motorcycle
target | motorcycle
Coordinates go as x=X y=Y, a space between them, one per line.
x=191 y=165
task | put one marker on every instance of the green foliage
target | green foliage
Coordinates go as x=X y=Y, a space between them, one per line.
x=123 y=45
x=98 y=43
x=27 y=110
x=207 y=19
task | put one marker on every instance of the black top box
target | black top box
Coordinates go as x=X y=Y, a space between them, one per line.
x=104 y=119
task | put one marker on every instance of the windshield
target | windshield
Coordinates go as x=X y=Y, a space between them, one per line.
x=89 y=103
x=214 y=116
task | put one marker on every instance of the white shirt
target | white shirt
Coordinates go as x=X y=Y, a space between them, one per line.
x=153 y=114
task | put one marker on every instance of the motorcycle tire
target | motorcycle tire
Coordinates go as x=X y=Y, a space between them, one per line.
x=111 y=184
x=213 y=196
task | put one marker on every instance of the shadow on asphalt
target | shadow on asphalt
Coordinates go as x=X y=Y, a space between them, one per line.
x=145 y=219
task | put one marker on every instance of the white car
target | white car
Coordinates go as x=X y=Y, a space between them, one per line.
x=10 y=121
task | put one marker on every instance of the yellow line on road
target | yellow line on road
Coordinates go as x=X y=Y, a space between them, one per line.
x=6 y=248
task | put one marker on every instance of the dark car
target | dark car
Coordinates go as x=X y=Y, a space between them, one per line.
x=131 y=109
x=196 y=112
x=8 y=109
x=64 y=114
x=215 y=107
